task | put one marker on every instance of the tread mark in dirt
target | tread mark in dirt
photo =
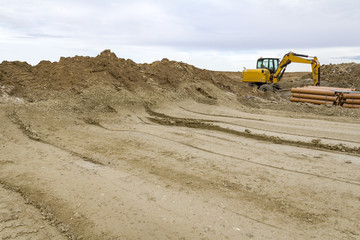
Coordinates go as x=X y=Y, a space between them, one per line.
x=237 y=158
x=228 y=185
x=163 y=119
x=48 y=216
x=220 y=115
x=253 y=119
x=15 y=119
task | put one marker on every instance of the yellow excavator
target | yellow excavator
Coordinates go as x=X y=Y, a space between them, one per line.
x=269 y=71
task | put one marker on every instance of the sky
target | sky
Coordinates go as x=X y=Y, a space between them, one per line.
x=224 y=35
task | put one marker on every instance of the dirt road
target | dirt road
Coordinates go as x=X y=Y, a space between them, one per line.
x=179 y=171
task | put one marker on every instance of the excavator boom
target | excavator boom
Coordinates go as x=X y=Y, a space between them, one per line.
x=298 y=58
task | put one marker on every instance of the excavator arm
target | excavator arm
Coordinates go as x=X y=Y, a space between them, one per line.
x=298 y=58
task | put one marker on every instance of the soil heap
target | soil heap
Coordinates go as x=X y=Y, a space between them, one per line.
x=75 y=74
x=345 y=75
x=106 y=81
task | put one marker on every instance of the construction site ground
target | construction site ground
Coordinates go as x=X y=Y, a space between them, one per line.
x=124 y=158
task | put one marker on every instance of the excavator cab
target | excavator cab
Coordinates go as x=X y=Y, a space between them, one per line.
x=271 y=64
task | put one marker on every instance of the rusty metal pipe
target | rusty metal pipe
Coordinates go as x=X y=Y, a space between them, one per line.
x=351 y=100
x=351 y=95
x=314 y=96
x=294 y=99
x=331 y=88
x=313 y=91
x=347 y=105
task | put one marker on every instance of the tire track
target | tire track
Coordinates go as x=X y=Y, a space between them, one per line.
x=220 y=115
x=237 y=158
x=196 y=181
x=17 y=121
x=49 y=216
x=257 y=120
x=27 y=131
x=225 y=208
x=318 y=149
x=163 y=119
x=302 y=213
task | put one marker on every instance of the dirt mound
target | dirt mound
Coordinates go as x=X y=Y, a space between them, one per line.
x=106 y=82
x=342 y=75
x=346 y=75
x=78 y=73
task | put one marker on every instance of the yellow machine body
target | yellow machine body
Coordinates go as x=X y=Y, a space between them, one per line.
x=256 y=76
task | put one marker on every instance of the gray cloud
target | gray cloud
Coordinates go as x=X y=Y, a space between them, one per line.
x=191 y=24
x=184 y=26
x=349 y=57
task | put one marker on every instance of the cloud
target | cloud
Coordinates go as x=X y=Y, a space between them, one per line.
x=234 y=25
x=349 y=58
x=206 y=32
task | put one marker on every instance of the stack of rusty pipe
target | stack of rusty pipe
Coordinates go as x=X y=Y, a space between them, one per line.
x=351 y=100
x=326 y=95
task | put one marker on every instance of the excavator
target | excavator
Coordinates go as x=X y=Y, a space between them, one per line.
x=269 y=71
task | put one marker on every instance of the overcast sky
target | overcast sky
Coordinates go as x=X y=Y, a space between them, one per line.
x=211 y=34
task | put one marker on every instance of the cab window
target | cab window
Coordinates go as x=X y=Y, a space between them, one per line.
x=262 y=63
x=271 y=65
x=276 y=63
x=265 y=63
